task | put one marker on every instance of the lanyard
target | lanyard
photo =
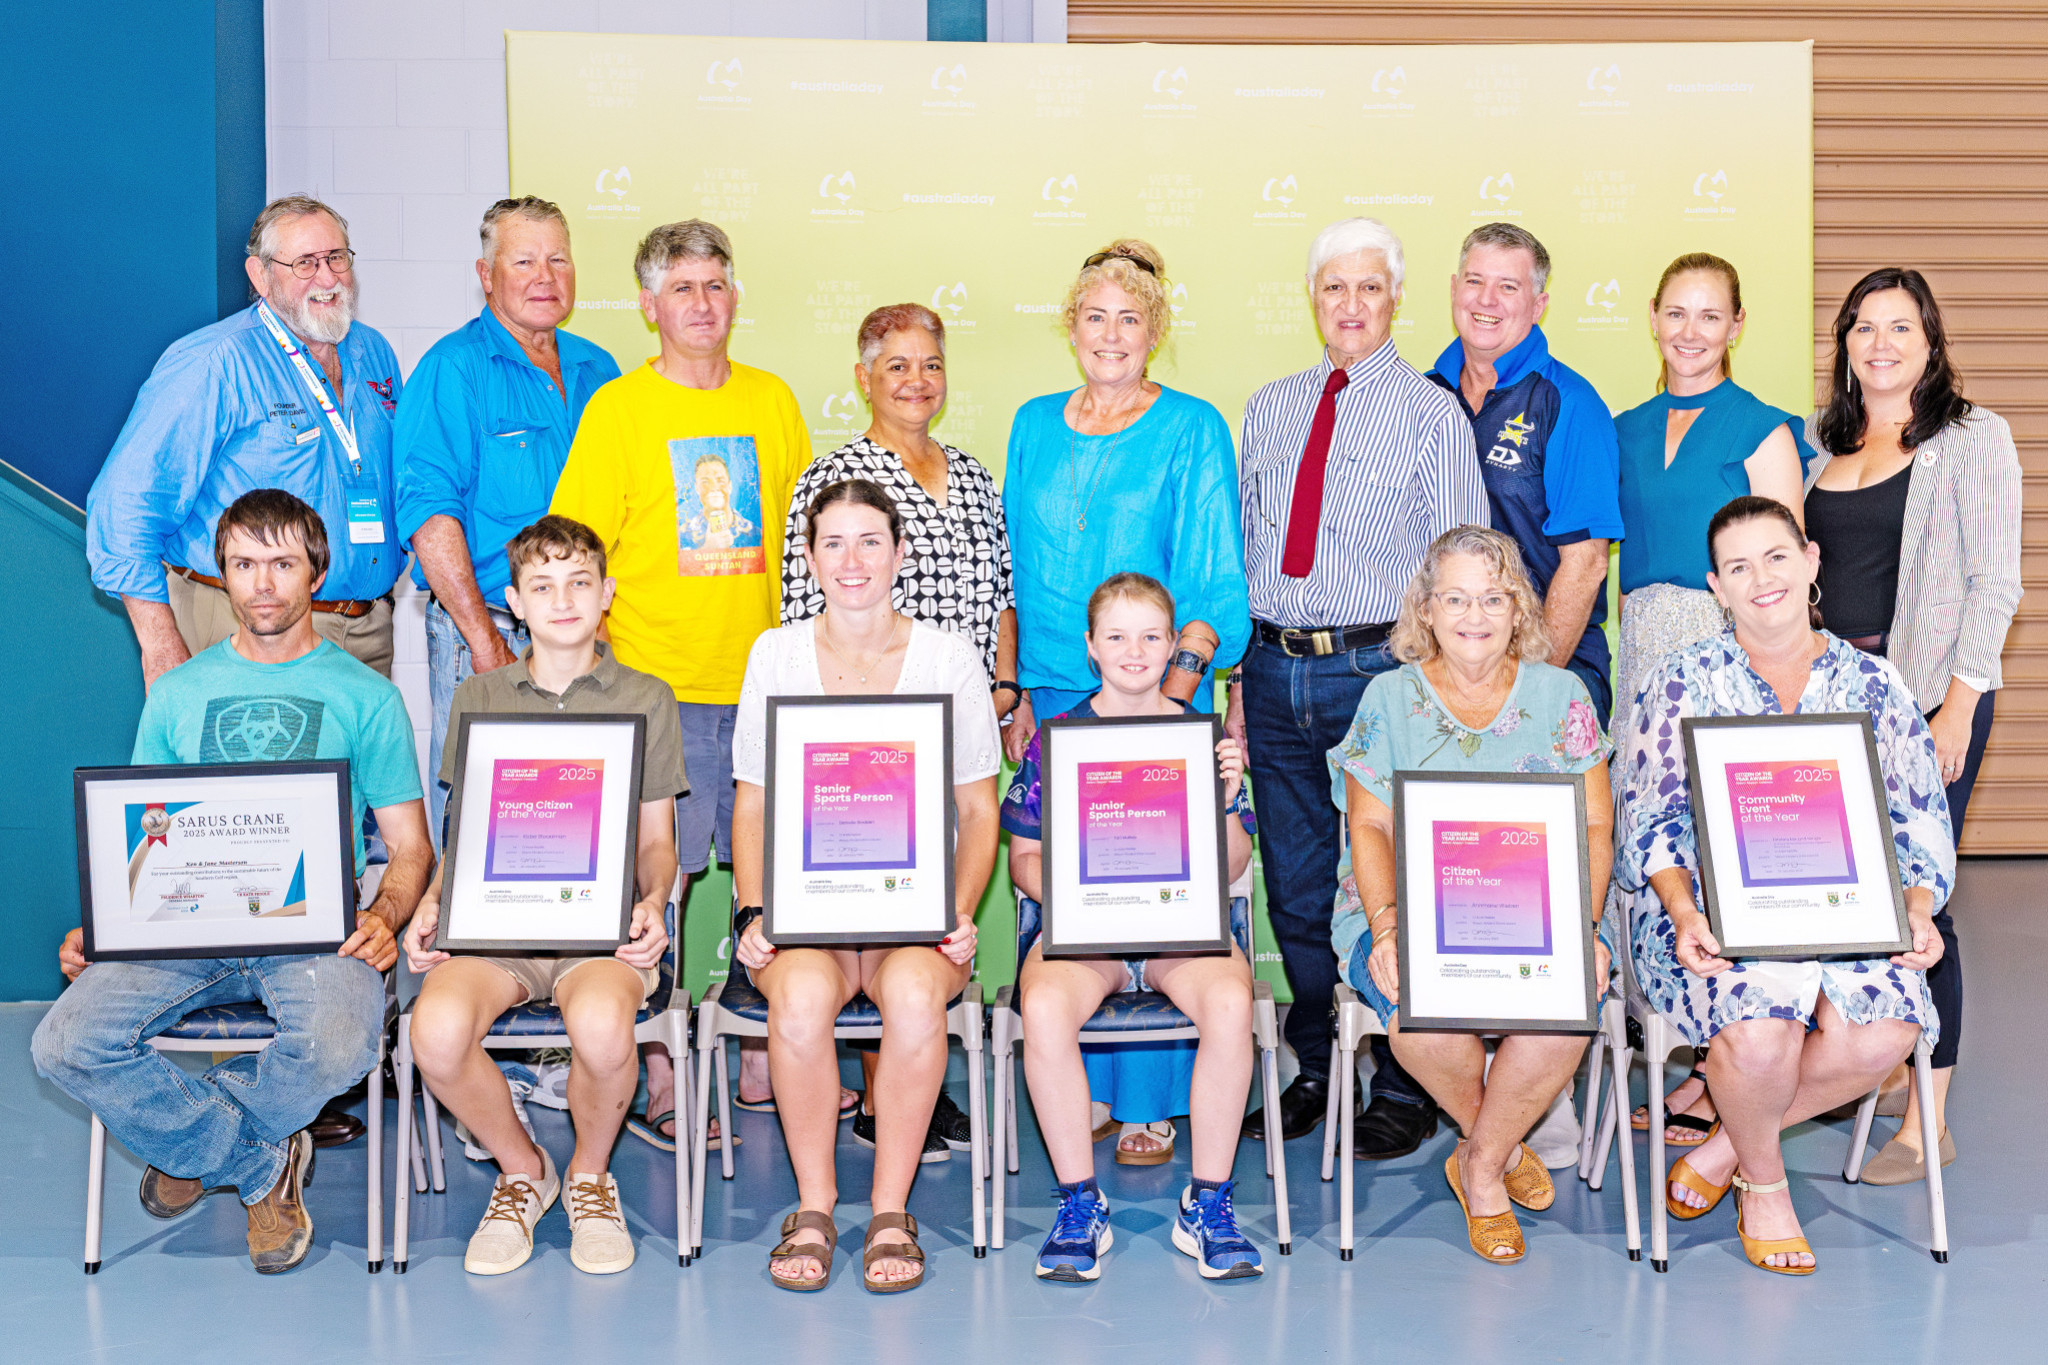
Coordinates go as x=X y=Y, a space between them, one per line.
x=345 y=432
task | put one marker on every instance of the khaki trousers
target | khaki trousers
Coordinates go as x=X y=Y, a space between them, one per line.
x=205 y=619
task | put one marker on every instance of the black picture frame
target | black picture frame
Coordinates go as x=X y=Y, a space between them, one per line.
x=1205 y=792
x=339 y=903
x=455 y=865
x=1901 y=941
x=1406 y=782
x=776 y=806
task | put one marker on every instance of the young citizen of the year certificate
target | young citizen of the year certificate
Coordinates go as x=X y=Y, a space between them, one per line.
x=544 y=820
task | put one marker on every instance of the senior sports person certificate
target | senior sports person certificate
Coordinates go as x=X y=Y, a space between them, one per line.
x=215 y=860
x=1494 y=902
x=1131 y=813
x=543 y=826
x=858 y=845
x=1794 y=835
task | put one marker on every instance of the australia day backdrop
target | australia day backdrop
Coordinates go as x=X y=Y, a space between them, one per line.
x=975 y=177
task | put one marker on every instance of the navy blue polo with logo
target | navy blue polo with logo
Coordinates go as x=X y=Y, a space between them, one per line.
x=1552 y=466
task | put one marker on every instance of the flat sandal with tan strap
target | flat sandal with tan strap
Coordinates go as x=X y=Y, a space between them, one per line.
x=1491 y=1232
x=893 y=1251
x=804 y=1220
x=1756 y=1249
x=1529 y=1184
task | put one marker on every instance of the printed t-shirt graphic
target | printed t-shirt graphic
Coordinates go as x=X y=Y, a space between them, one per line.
x=718 y=505
x=260 y=730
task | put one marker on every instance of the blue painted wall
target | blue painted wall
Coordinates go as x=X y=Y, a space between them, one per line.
x=134 y=164
x=956 y=21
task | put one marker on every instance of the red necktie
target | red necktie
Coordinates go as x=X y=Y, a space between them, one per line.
x=1307 y=513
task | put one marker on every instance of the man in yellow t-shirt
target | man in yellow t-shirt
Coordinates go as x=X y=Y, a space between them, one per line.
x=684 y=467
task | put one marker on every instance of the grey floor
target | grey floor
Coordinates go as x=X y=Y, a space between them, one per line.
x=185 y=1292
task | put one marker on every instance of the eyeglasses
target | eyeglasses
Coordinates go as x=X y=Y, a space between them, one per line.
x=1493 y=604
x=1099 y=257
x=306 y=267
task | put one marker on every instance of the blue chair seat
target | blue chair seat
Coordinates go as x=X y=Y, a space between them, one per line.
x=243 y=1021
x=543 y=1019
x=1134 y=1012
x=739 y=998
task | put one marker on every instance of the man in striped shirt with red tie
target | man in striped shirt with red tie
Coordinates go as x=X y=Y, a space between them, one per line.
x=1349 y=470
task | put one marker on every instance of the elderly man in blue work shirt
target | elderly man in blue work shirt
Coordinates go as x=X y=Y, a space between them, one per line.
x=482 y=434
x=1547 y=447
x=289 y=393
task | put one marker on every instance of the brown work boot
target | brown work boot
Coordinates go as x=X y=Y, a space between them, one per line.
x=167 y=1196
x=280 y=1229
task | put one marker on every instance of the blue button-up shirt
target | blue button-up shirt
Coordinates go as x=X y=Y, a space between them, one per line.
x=224 y=412
x=482 y=436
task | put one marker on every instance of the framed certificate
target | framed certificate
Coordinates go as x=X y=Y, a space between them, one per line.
x=1495 y=902
x=1794 y=833
x=215 y=860
x=543 y=826
x=858 y=845
x=1131 y=814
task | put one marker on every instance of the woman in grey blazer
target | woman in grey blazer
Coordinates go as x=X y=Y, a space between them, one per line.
x=1915 y=504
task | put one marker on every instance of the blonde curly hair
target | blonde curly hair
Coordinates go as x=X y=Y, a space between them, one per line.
x=1412 y=639
x=1148 y=287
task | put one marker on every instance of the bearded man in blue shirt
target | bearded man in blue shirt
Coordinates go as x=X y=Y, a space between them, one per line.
x=290 y=393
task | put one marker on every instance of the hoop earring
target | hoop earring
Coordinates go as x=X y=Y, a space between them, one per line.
x=1813 y=598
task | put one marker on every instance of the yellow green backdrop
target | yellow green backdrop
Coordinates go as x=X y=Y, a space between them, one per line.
x=974 y=177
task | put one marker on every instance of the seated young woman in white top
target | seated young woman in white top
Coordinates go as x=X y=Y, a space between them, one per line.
x=860 y=645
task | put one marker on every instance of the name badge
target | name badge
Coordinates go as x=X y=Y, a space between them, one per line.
x=365 y=521
x=307 y=437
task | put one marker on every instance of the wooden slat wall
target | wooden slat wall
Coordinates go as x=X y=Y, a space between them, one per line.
x=1930 y=150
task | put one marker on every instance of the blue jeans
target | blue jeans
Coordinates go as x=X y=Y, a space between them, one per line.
x=448 y=663
x=704 y=812
x=1296 y=711
x=228 y=1126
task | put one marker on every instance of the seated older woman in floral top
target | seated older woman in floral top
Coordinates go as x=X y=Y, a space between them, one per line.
x=1473 y=695
x=1791 y=1039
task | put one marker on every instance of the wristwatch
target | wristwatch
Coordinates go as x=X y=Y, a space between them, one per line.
x=1000 y=683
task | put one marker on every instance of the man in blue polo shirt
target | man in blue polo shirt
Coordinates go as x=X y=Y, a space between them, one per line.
x=482 y=434
x=1547 y=447
x=289 y=393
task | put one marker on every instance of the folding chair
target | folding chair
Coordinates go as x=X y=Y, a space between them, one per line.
x=246 y=1027
x=664 y=1019
x=733 y=1008
x=1136 y=1017
x=1355 y=1023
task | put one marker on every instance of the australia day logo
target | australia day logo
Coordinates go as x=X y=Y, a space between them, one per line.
x=1602 y=94
x=949 y=90
x=1387 y=95
x=1167 y=97
x=1056 y=197
x=612 y=195
x=1494 y=193
x=1710 y=195
x=1177 y=300
x=843 y=416
x=1602 y=306
x=1276 y=202
x=949 y=301
x=836 y=191
x=722 y=82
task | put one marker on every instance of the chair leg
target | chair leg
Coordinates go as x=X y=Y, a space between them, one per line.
x=1930 y=1144
x=1587 y=1121
x=375 y=1195
x=95 y=1192
x=977 y=1129
x=724 y=1109
x=1631 y=1212
x=1614 y=1041
x=1657 y=1048
x=700 y=1120
x=430 y=1112
x=1330 y=1134
x=1276 y=1154
x=1347 y=1081
x=1005 y=1120
x=1010 y=1135
x=1859 y=1139
x=686 y=1151
x=409 y=1160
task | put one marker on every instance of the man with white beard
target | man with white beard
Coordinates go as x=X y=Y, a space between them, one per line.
x=289 y=393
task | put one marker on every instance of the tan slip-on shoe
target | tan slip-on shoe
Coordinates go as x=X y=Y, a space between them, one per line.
x=1898 y=1164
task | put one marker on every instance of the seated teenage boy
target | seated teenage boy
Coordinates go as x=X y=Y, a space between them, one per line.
x=274 y=690
x=560 y=590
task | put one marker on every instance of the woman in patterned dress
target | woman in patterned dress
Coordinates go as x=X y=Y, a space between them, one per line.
x=1790 y=1039
x=1473 y=694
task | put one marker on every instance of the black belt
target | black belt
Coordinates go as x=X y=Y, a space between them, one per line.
x=1318 y=640
x=1870 y=644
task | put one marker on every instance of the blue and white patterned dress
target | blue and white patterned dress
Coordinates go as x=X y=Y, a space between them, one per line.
x=1713 y=677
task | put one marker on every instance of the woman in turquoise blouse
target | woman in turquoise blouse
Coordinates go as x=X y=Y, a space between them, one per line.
x=1120 y=475
x=1701 y=442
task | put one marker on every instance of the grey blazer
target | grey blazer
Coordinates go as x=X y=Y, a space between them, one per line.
x=1959 y=555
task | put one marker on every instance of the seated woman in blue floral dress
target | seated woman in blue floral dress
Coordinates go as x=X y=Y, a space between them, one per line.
x=1472 y=695
x=1790 y=1039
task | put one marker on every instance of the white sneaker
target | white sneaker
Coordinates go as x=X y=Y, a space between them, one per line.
x=521 y=1087
x=598 y=1241
x=1555 y=1139
x=504 y=1239
x=551 y=1085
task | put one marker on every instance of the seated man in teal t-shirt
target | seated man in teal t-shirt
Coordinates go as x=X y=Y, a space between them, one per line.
x=272 y=691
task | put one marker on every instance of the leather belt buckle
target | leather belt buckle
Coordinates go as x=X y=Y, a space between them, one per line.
x=1322 y=642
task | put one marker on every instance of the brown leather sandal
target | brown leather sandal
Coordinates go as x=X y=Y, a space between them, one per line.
x=803 y=1220
x=1759 y=1249
x=893 y=1251
x=1529 y=1183
x=1489 y=1232
x=1684 y=1174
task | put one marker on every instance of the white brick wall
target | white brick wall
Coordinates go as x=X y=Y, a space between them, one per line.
x=393 y=111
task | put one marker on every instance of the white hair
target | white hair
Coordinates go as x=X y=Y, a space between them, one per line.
x=1348 y=237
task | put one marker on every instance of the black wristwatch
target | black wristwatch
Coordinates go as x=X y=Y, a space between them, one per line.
x=743 y=917
x=1000 y=683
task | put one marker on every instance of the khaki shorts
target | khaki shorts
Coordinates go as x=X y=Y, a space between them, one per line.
x=541 y=975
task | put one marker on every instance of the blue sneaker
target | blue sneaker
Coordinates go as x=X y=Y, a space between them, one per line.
x=1207 y=1230
x=1072 y=1252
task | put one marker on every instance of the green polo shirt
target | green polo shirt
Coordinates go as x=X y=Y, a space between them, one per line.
x=611 y=688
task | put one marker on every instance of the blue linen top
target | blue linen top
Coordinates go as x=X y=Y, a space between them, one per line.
x=225 y=412
x=1665 y=510
x=482 y=436
x=1160 y=498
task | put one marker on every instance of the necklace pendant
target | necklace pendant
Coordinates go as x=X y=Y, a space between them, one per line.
x=1080 y=523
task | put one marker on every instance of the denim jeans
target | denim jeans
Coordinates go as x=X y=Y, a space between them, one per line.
x=448 y=663
x=228 y=1126
x=1296 y=711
